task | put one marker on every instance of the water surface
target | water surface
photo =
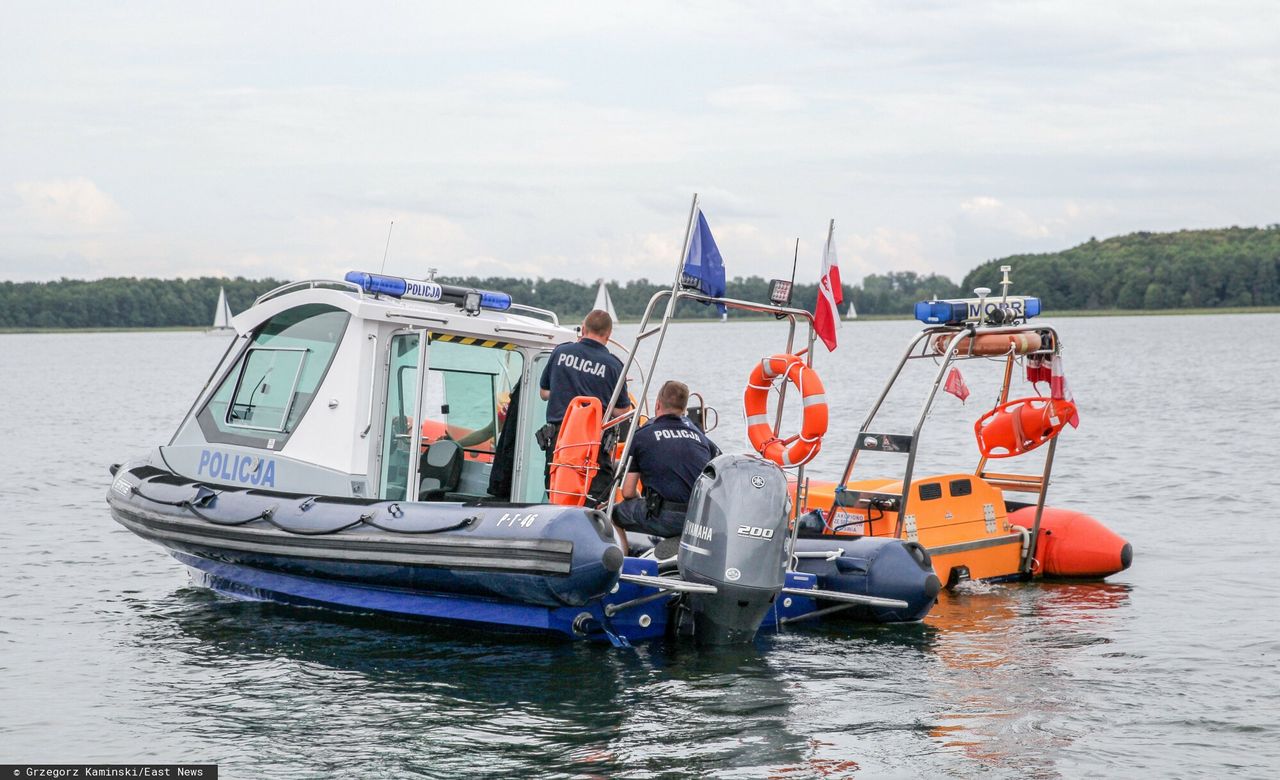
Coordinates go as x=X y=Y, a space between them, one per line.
x=1169 y=669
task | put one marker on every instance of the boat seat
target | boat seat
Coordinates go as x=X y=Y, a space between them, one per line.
x=439 y=470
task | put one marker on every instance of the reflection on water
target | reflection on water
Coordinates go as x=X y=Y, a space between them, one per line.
x=1003 y=685
x=450 y=700
x=110 y=655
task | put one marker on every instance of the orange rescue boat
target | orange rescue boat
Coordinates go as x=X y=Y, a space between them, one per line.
x=969 y=525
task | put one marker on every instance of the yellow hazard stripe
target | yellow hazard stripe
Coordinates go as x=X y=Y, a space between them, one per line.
x=472 y=340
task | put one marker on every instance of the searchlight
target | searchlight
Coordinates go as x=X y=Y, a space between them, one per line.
x=471 y=301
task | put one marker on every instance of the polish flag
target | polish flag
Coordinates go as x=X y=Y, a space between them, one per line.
x=826 y=317
x=955 y=384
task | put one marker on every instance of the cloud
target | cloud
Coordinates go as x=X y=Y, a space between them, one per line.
x=880 y=251
x=562 y=140
x=992 y=214
x=985 y=227
x=757 y=97
x=521 y=83
x=68 y=206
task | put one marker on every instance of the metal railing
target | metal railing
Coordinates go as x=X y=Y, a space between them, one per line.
x=922 y=346
x=330 y=284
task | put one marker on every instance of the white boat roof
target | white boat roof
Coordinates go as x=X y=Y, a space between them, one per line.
x=524 y=326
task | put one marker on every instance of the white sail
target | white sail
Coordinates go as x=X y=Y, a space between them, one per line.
x=853 y=313
x=222 y=314
x=604 y=303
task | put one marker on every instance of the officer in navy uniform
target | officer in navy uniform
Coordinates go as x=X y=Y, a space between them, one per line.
x=584 y=367
x=667 y=454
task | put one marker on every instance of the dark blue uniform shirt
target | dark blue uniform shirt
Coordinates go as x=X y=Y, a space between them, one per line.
x=583 y=367
x=670 y=452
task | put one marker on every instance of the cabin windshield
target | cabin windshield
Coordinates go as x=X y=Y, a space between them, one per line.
x=261 y=399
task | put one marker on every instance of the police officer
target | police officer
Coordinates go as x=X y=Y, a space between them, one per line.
x=585 y=367
x=668 y=453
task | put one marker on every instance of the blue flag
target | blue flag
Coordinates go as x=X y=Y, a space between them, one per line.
x=703 y=266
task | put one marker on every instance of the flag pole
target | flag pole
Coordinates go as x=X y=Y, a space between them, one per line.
x=647 y=376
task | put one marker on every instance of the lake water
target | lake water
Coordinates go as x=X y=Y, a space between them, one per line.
x=1167 y=670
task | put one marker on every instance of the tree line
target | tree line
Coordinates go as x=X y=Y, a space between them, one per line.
x=123 y=302
x=1191 y=268
x=1187 y=269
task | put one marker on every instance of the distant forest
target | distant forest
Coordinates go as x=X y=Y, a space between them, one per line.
x=123 y=303
x=1188 y=269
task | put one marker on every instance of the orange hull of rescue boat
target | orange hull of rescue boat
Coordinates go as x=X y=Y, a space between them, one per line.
x=1075 y=545
x=959 y=518
x=978 y=543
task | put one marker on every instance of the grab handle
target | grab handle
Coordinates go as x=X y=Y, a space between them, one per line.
x=373 y=385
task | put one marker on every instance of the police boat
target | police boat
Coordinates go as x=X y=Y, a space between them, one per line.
x=364 y=445
x=971 y=522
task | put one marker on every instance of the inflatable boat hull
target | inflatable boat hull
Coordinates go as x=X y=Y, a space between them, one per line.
x=537 y=554
x=872 y=566
x=538 y=568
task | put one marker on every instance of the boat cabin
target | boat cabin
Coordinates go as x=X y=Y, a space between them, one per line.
x=330 y=386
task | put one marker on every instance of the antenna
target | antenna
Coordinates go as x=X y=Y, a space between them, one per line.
x=1004 y=283
x=793 y=262
x=388 y=247
x=780 y=290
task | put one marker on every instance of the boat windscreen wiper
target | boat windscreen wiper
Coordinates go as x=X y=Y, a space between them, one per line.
x=248 y=405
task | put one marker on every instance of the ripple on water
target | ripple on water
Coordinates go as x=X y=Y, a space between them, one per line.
x=1170 y=671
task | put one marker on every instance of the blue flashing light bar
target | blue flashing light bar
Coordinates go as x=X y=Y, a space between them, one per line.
x=941 y=312
x=397 y=287
x=378 y=284
x=495 y=301
x=995 y=310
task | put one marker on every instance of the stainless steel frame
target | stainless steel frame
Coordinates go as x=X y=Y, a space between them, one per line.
x=920 y=347
x=673 y=296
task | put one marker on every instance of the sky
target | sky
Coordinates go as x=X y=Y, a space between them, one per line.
x=566 y=140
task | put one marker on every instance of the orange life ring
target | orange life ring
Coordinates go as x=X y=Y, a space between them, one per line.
x=576 y=458
x=804 y=446
x=1020 y=426
x=990 y=344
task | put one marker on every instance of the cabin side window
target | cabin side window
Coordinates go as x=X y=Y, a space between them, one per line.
x=269 y=389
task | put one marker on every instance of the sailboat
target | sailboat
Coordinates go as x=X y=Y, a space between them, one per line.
x=853 y=313
x=221 y=314
x=604 y=302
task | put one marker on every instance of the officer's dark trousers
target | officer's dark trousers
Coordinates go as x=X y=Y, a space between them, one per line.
x=634 y=515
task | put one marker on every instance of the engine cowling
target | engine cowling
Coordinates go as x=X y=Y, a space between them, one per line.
x=735 y=538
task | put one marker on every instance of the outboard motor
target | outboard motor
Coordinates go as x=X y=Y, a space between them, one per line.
x=735 y=538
